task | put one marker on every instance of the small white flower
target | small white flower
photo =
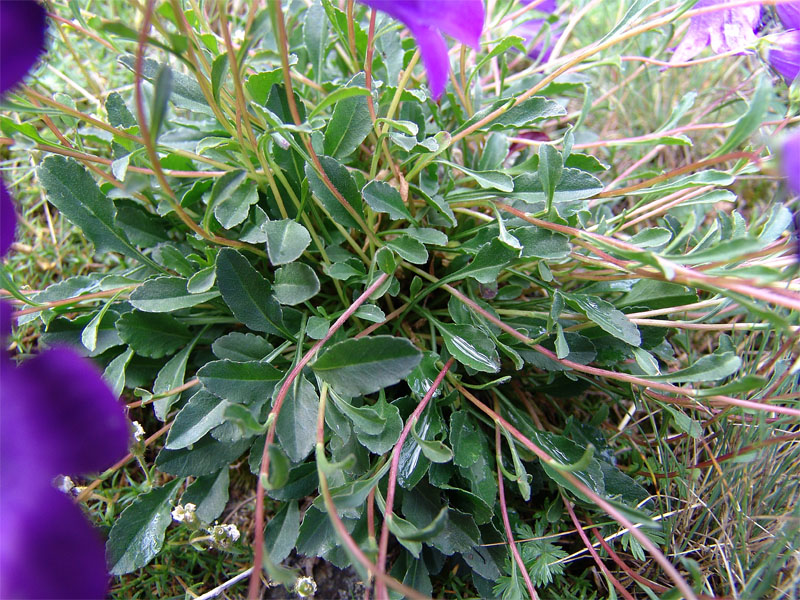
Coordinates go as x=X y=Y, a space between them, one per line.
x=138 y=431
x=64 y=483
x=185 y=513
x=224 y=535
x=305 y=587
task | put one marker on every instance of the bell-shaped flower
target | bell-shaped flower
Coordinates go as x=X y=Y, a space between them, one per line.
x=784 y=54
x=791 y=162
x=428 y=20
x=725 y=30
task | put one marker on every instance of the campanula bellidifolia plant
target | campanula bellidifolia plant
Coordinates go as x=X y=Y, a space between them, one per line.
x=471 y=299
x=58 y=417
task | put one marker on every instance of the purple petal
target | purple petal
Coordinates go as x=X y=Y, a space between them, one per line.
x=8 y=219
x=58 y=417
x=22 y=26
x=433 y=49
x=730 y=30
x=784 y=54
x=530 y=30
x=789 y=14
x=548 y=6
x=460 y=19
x=47 y=548
x=791 y=162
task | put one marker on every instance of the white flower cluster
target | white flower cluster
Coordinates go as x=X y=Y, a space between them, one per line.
x=185 y=513
x=305 y=587
x=138 y=431
x=224 y=536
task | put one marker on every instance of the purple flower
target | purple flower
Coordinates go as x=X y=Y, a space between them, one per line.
x=531 y=30
x=784 y=54
x=789 y=14
x=428 y=20
x=728 y=30
x=791 y=162
x=22 y=26
x=57 y=415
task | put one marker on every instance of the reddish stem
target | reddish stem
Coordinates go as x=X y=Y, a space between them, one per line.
x=380 y=588
x=506 y=523
x=258 y=541
x=620 y=588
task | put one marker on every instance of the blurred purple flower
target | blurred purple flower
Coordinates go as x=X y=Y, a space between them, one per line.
x=57 y=415
x=47 y=428
x=547 y=6
x=784 y=54
x=728 y=30
x=22 y=26
x=789 y=14
x=428 y=20
x=530 y=30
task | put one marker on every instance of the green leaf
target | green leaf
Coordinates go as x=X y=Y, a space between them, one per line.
x=201 y=414
x=353 y=494
x=209 y=494
x=167 y=294
x=140 y=227
x=205 y=457
x=711 y=367
x=541 y=243
x=470 y=346
x=409 y=249
x=295 y=283
x=551 y=166
x=239 y=382
x=219 y=72
x=114 y=375
x=297 y=421
x=382 y=197
x=488 y=180
x=283 y=529
x=315 y=38
x=488 y=263
x=459 y=535
x=286 y=241
x=380 y=443
x=362 y=366
x=241 y=347
x=434 y=450
x=231 y=198
x=138 y=533
x=751 y=120
x=247 y=293
x=170 y=377
x=152 y=334
x=520 y=116
x=608 y=318
x=364 y=418
x=202 y=281
x=574 y=185
x=159 y=106
x=727 y=250
x=118 y=113
x=186 y=92
x=344 y=183
x=75 y=194
x=350 y=123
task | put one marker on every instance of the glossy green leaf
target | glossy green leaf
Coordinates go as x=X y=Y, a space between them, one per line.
x=409 y=249
x=138 y=533
x=362 y=366
x=282 y=531
x=231 y=198
x=201 y=414
x=239 y=382
x=209 y=494
x=167 y=294
x=711 y=367
x=205 y=457
x=343 y=182
x=247 y=293
x=152 y=334
x=470 y=346
x=286 y=240
x=315 y=38
x=382 y=197
x=297 y=421
x=295 y=283
x=607 y=317
x=488 y=263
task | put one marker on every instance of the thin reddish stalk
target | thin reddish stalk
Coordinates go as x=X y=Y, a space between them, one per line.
x=380 y=588
x=506 y=523
x=333 y=514
x=646 y=542
x=258 y=542
x=630 y=572
x=587 y=542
